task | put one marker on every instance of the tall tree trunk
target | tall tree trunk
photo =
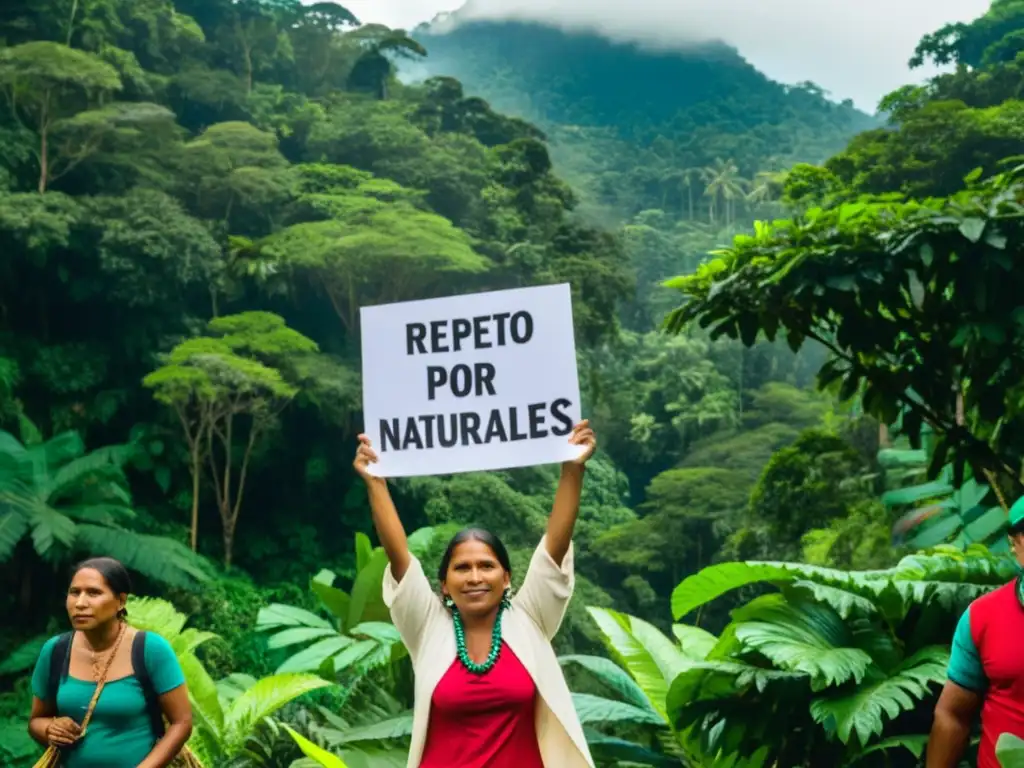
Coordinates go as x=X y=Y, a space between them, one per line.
x=229 y=538
x=44 y=148
x=196 y=462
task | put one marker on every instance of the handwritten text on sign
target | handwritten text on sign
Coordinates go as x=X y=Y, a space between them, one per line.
x=467 y=383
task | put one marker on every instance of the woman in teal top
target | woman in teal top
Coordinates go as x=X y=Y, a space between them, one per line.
x=127 y=727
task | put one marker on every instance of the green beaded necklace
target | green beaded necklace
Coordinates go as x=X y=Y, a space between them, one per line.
x=460 y=643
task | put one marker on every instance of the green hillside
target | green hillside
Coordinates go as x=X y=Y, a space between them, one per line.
x=626 y=124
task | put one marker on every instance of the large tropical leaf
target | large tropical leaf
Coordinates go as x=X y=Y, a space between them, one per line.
x=367 y=603
x=53 y=533
x=714 y=581
x=595 y=710
x=1010 y=751
x=334 y=599
x=609 y=749
x=276 y=616
x=613 y=676
x=710 y=680
x=950 y=577
x=24 y=656
x=156 y=615
x=262 y=700
x=296 y=635
x=864 y=711
x=694 y=642
x=311 y=750
x=312 y=657
x=913 y=743
x=651 y=661
x=842 y=601
x=801 y=636
x=206 y=706
x=399 y=727
x=13 y=526
x=160 y=558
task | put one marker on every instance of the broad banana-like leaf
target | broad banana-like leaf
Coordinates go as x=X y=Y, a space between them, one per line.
x=334 y=599
x=694 y=642
x=311 y=750
x=595 y=710
x=367 y=603
x=1010 y=751
x=311 y=658
x=206 y=706
x=613 y=676
x=864 y=711
x=296 y=635
x=399 y=727
x=652 y=659
x=263 y=700
x=420 y=540
x=715 y=580
x=278 y=616
x=612 y=749
x=364 y=551
x=234 y=685
x=376 y=756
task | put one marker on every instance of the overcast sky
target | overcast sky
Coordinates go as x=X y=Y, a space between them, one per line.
x=853 y=48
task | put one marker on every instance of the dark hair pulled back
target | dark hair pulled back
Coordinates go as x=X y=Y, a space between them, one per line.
x=474 y=534
x=113 y=572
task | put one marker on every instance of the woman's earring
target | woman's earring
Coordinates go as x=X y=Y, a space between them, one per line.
x=506 y=599
x=448 y=602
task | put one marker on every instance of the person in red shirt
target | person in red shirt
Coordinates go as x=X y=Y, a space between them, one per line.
x=501 y=701
x=986 y=670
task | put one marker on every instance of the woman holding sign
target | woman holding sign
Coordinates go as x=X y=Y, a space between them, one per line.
x=489 y=690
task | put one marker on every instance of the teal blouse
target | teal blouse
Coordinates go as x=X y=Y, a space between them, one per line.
x=120 y=733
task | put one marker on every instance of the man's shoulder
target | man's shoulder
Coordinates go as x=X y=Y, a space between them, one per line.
x=995 y=602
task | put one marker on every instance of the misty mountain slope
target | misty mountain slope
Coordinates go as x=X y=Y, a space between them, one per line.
x=615 y=110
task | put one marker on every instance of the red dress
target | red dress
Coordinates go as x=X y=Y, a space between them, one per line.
x=484 y=721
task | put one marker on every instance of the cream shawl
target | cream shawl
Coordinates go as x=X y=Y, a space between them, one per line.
x=528 y=627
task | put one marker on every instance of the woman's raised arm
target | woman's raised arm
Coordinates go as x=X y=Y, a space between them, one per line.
x=567 y=498
x=385 y=516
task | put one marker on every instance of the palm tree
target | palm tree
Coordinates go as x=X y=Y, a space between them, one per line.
x=687 y=177
x=723 y=181
x=72 y=502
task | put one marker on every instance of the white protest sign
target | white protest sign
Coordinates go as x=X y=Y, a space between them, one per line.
x=469 y=383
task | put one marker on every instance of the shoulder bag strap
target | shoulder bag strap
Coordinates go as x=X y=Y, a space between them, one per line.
x=153 y=709
x=60 y=661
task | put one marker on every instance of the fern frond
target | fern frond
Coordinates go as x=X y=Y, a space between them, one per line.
x=801 y=636
x=13 y=527
x=50 y=531
x=864 y=711
x=262 y=700
x=157 y=557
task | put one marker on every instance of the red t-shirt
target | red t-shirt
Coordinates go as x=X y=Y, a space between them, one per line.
x=484 y=721
x=997 y=626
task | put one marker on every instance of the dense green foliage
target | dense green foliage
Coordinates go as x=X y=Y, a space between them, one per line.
x=196 y=198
